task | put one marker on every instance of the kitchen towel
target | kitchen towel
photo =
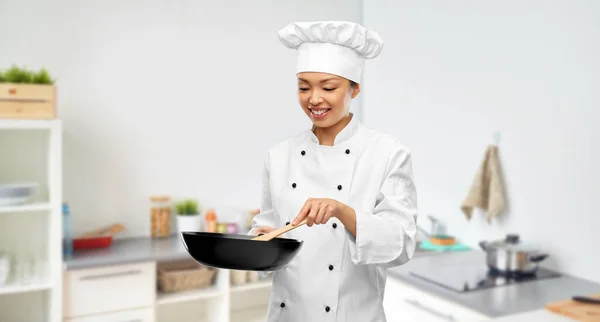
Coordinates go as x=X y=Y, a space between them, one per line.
x=487 y=189
x=428 y=245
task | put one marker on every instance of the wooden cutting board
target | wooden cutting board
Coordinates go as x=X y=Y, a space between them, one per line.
x=577 y=310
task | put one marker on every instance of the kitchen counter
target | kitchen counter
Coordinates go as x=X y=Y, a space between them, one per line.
x=130 y=250
x=515 y=302
x=496 y=301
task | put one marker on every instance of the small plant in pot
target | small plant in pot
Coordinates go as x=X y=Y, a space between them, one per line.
x=188 y=215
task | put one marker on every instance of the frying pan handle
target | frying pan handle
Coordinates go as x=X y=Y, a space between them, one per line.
x=277 y=232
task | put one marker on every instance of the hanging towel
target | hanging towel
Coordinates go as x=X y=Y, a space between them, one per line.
x=487 y=189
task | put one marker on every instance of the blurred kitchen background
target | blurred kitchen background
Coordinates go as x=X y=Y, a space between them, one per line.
x=160 y=102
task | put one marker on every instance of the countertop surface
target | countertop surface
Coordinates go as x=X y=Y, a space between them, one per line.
x=510 y=302
x=130 y=250
x=496 y=301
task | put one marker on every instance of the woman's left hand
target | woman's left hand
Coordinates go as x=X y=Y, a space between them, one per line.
x=318 y=211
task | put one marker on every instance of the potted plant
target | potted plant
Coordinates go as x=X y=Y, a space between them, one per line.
x=188 y=215
x=27 y=94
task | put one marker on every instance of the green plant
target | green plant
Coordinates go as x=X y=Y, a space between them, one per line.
x=188 y=207
x=42 y=77
x=20 y=75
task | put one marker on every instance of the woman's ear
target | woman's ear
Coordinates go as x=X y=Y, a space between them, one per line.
x=355 y=90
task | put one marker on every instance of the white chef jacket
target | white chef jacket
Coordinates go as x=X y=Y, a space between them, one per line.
x=335 y=276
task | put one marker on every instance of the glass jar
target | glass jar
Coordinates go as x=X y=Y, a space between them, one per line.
x=160 y=216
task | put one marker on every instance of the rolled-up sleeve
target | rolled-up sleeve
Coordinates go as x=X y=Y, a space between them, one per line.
x=387 y=235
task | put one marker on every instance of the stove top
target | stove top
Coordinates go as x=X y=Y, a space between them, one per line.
x=463 y=278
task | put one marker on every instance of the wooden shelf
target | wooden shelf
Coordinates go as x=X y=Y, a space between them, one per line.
x=37 y=206
x=192 y=295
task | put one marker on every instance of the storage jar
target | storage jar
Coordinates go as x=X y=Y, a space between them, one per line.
x=160 y=216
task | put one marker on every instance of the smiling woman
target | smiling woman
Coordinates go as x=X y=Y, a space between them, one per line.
x=325 y=98
x=353 y=185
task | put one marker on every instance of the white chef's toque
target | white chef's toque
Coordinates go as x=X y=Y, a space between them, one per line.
x=334 y=47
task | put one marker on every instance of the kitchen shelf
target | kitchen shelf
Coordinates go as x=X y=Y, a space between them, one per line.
x=33 y=207
x=220 y=302
x=24 y=288
x=209 y=293
x=192 y=295
x=252 y=286
x=32 y=152
x=28 y=124
x=258 y=314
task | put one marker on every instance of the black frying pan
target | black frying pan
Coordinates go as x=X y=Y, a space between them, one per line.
x=240 y=252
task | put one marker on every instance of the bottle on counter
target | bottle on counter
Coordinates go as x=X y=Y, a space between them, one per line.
x=211 y=221
x=160 y=216
x=67 y=231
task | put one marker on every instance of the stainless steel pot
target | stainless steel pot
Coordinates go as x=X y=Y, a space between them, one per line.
x=510 y=256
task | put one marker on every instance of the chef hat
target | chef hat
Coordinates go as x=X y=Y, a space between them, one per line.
x=334 y=47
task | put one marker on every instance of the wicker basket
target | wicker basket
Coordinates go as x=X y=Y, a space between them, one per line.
x=183 y=275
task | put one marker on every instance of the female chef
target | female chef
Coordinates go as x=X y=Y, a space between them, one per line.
x=352 y=183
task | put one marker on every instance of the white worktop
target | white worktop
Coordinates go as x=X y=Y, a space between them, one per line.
x=519 y=302
x=494 y=302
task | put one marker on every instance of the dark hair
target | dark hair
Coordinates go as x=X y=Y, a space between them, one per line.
x=352 y=84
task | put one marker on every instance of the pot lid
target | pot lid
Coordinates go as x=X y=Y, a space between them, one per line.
x=512 y=242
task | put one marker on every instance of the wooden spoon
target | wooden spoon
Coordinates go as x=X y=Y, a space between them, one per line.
x=105 y=231
x=277 y=232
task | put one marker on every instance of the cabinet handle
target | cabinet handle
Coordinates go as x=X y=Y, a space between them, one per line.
x=416 y=304
x=136 y=320
x=109 y=275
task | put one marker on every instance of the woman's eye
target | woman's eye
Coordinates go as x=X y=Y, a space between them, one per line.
x=329 y=89
x=303 y=89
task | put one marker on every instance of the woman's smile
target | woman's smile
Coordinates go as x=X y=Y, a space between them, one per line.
x=319 y=113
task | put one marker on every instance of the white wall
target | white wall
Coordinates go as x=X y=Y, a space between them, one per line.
x=185 y=97
x=454 y=72
x=177 y=97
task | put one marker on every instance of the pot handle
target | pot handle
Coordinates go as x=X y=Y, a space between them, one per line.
x=538 y=257
x=484 y=245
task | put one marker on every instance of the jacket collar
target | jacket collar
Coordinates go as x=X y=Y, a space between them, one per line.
x=347 y=133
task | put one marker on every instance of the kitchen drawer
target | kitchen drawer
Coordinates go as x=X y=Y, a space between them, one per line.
x=140 y=315
x=426 y=306
x=108 y=289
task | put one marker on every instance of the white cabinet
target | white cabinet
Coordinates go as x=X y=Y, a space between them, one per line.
x=98 y=291
x=128 y=293
x=403 y=302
